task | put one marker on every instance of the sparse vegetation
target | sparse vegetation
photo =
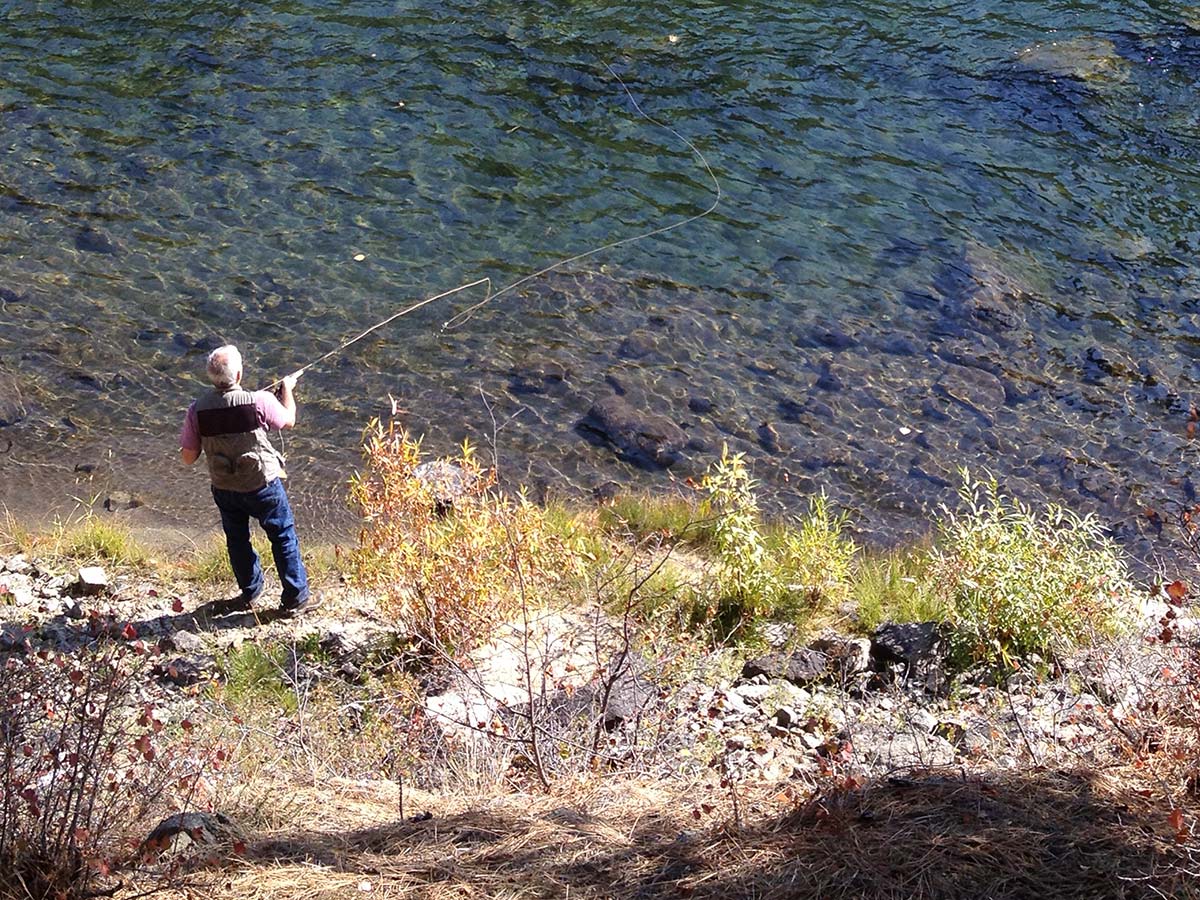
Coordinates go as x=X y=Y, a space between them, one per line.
x=1024 y=585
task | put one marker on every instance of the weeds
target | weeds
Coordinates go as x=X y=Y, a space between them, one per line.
x=83 y=761
x=1022 y=584
x=448 y=572
x=896 y=587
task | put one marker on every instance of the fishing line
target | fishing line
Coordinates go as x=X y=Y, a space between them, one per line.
x=462 y=317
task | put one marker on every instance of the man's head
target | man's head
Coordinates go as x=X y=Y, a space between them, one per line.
x=225 y=366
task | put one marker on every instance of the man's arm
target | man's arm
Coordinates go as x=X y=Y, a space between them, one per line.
x=189 y=438
x=288 y=399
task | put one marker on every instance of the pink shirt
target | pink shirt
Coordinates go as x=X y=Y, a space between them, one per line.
x=271 y=415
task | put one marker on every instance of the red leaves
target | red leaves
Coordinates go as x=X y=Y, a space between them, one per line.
x=1183 y=831
x=144 y=747
x=177 y=605
x=129 y=632
x=1176 y=592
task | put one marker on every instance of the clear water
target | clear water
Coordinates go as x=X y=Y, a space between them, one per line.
x=177 y=174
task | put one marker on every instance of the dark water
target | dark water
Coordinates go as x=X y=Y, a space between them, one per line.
x=952 y=234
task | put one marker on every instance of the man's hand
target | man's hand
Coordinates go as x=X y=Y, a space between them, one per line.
x=288 y=382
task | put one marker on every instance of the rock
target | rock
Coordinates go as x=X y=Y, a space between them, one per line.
x=976 y=287
x=768 y=439
x=803 y=666
x=701 y=406
x=644 y=439
x=92 y=580
x=16 y=589
x=92 y=241
x=119 y=500
x=447 y=482
x=537 y=378
x=847 y=655
x=1083 y=59
x=785 y=717
x=187 y=642
x=18 y=563
x=977 y=390
x=189 y=833
x=914 y=652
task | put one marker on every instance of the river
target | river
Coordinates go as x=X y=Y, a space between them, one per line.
x=950 y=235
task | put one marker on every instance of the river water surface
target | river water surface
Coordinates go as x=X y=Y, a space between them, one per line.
x=951 y=234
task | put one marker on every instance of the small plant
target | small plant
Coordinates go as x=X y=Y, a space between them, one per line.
x=257 y=674
x=83 y=763
x=817 y=556
x=92 y=539
x=897 y=587
x=779 y=574
x=209 y=563
x=748 y=586
x=1022 y=583
x=643 y=516
x=448 y=572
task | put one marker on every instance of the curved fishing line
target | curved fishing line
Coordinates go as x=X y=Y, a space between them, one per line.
x=463 y=316
x=392 y=318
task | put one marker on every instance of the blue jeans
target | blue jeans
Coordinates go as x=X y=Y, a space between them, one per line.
x=269 y=505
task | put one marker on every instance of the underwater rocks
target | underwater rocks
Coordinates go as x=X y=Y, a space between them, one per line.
x=1083 y=59
x=642 y=438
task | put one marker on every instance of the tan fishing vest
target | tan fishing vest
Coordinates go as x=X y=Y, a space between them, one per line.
x=240 y=456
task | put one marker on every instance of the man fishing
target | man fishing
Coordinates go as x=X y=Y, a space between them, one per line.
x=229 y=424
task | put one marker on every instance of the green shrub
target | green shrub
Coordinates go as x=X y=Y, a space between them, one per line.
x=252 y=673
x=769 y=574
x=93 y=540
x=817 y=556
x=1021 y=583
x=897 y=587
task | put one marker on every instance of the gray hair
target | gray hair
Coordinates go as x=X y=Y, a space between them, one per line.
x=225 y=366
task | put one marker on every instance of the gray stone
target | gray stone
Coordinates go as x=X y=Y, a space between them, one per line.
x=803 y=666
x=91 y=580
x=642 y=438
x=977 y=390
x=1085 y=59
x=630 y=691
x=187 y=642
x=914 y=652
x=785 y=717
x=847 y=656
x=121 y=500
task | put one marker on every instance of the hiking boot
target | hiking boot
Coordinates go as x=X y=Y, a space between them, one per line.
x=240 y=603
x=300 y=607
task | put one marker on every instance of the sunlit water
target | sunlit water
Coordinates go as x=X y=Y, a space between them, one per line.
x=958 y=234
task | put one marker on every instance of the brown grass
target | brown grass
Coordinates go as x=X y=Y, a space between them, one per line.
x=1042 y=835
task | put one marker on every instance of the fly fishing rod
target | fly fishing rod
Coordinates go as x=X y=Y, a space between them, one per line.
x=463 y=316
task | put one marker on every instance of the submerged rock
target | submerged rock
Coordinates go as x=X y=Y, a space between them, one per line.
x=92 y=241
x=1084 y=59
x=645 y=439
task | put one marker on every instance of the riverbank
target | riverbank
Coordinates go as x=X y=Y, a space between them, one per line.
x=628 y=713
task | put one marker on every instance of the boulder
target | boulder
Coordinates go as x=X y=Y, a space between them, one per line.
x=629 y=691
x=978 y=289
x=912 y=652
x=847 y=655
x=803 y=666
x=645 y=439
x=1083 y=59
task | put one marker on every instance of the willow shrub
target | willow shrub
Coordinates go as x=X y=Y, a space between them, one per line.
x=761 y=580
x=447 y=575
x=1022 y=584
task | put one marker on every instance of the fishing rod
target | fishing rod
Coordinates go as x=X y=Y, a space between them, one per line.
x=460 y=318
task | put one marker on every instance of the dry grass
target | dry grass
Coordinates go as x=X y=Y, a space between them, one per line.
x=927 y=835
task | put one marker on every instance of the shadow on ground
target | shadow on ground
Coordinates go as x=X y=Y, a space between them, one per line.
x=1045 y=835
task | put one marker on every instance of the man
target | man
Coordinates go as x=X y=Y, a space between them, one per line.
x=229 y=424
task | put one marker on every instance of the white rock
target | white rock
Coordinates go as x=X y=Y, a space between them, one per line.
x=92 y=579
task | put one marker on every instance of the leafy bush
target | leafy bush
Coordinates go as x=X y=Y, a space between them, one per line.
x=448 y=575
x=781 y=577
x=1021 y=583
x=817 y=556
x=82 y=763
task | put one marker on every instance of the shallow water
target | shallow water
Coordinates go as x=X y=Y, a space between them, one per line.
x=951 y=235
